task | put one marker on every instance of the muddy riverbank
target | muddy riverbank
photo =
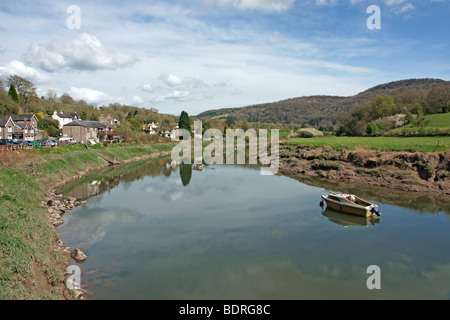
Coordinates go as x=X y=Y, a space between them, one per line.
x=401 y=170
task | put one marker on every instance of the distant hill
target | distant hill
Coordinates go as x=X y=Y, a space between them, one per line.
x=318 y=110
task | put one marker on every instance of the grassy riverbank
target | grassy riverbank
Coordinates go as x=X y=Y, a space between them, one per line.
x=421 y=144
x=31 y=266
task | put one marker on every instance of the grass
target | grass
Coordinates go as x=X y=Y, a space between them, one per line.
x=435 y=125
x=422 y=144
x=26 y=238
x=436 y=121
x=28 y=261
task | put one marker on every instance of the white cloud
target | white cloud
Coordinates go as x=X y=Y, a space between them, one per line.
x=81 y=53
x=326 y=2
x=171 y=80
x=178 y=95
x=138 y=100
x=89 y=95
x=277 y=5
x=406 y=7
x=22 y=70
x=147 y=87
x=178 y=83
x=394 y=2
x=270 y=5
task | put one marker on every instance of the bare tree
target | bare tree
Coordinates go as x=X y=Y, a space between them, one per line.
x=439 y=98
x=2 y=83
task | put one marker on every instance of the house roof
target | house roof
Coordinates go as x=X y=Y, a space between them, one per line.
x=64 y=115
x=86 y=124
x=4 y=121
x=22 y=117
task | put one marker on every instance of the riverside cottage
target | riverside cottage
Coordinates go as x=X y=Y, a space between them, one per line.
x=109 y=120
x=64 y=118
x=82 y=131
x=19 y=127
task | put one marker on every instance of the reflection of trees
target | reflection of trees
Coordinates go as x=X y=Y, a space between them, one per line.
x=107 y=179
x=185 y=173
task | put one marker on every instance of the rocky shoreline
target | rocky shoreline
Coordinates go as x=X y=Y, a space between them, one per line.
x=401 y=170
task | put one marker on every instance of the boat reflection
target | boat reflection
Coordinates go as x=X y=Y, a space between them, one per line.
x=347 y=220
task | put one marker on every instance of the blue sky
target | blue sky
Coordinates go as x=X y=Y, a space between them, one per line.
x=205 y=54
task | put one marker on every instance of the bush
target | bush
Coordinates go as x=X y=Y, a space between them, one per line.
x=372 y=128
x=308 y=133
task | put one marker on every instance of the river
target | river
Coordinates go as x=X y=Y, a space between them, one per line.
x=156 y=230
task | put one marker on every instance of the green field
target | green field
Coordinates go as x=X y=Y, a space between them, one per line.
x=424 y=144
x=433 y=125
x=438 y=121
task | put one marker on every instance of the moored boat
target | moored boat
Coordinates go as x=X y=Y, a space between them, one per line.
x=350 y=204
x=198 y=167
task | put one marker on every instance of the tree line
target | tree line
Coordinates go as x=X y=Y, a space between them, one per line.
x=386 y=112
x=18 y=96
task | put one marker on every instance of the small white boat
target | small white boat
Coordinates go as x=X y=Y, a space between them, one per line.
x=351 y=204
x=198 y=167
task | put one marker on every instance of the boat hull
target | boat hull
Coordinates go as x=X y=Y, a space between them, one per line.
x=362 y=212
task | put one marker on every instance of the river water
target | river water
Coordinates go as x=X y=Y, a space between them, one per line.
x=156 y=230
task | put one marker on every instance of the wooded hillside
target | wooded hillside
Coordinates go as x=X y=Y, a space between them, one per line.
x=329 y=112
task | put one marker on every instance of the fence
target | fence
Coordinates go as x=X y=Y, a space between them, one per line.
x=13 y=147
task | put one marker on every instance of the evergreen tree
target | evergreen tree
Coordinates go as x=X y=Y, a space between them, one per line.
x=184 y=122
x=13 y=93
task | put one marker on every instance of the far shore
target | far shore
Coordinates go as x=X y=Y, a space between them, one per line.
x=412 y=171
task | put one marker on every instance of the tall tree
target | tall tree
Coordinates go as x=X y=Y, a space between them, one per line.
x=13 y=93
x=66 y=99
x=439 y=98
x=383 y=106
x=25 y=89
x=184 y=122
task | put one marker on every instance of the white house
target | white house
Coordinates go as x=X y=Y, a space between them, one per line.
x=152 y=127
x=64 y=118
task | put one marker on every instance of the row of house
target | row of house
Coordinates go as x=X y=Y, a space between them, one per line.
x=83 y=131
x=24 y=127
x=19 y=127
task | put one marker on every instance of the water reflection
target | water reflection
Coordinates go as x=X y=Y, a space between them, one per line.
x=347 y=220
x=229 y=233
x=185 y=173
x=108 y=178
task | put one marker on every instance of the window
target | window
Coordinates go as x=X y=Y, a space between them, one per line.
x=26 y=130
x=9 y=129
